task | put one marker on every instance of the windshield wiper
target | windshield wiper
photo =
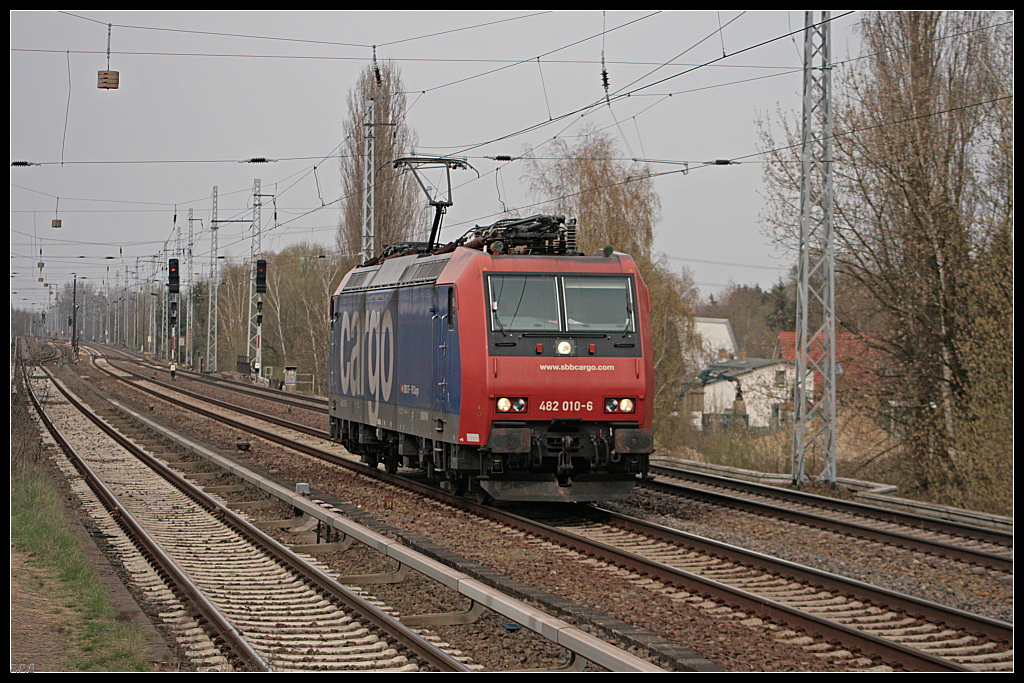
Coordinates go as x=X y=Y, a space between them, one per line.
x=497 y=318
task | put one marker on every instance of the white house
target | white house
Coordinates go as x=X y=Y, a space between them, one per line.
x=756 y=391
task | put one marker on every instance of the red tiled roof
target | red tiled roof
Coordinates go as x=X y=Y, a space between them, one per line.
x=853 y=355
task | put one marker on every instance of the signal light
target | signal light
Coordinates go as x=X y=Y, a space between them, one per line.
x=261 y=276
x=173 y=281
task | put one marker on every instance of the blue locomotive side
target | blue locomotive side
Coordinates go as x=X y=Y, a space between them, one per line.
x=395 y=363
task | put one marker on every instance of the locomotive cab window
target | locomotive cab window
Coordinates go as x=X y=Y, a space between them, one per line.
x=524 y=303
x=554 y=303
x=452 y=309
x=598 y=304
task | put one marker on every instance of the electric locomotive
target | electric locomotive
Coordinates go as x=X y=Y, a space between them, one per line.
x=504 y=364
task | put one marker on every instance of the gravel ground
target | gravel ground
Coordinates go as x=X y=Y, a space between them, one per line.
x=937 y=579
x=728 y=642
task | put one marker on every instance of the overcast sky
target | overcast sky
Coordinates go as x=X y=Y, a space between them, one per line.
x=201 y=91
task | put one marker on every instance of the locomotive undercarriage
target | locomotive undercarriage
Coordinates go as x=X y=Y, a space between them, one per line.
x=556 y=461
x=564 y=460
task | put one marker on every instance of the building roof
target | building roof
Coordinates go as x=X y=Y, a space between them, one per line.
x=854 y=357
x=735 y=367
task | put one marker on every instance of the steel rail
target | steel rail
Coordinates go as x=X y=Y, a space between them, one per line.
x=406 y=636
x=858 y=640
x=996 y=561
x=193 y=596
x=904 y=540
x=850 y=507
x=990 y=628
x=979 y=557
x=317 y=402
x=851 y=637
x=569 y=637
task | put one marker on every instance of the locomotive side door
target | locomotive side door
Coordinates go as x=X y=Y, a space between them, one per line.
x=444 y=356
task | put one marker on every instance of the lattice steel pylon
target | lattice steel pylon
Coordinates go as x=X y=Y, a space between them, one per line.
x=213 y=310
x=369 y=227
x=814 y=407
x=255 y=346
x=189 y=307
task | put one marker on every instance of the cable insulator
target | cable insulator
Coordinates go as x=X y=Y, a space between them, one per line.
x=376 y=69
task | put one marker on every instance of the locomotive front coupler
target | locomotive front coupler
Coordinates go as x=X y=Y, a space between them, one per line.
x=565 y=462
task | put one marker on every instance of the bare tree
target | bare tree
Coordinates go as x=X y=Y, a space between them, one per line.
x=398 y=207
x=24 y=323
x=233 y=314
x=299 y=286
x=615 y=203
x=756 y=316
x=300 y=281
x=923 y=125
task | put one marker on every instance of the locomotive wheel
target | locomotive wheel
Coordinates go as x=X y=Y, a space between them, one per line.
x=391 y=465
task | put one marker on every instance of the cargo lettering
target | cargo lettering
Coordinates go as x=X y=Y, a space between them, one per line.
x=368 y=351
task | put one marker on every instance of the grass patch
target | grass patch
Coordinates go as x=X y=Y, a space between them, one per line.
x=745 y=449
x=40 y=528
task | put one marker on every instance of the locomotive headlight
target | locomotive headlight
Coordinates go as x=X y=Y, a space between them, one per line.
x=564 y=348
x=511 y=405
x=619 y=405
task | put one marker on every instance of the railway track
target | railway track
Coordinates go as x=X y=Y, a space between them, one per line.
x=963 y=649
x=895 y=628
x=974 y=545
x=231 y=591
x=978 y=546
x=270 y=602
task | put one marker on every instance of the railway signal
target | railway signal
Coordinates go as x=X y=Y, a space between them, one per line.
x=261 y=276
x=173 y=279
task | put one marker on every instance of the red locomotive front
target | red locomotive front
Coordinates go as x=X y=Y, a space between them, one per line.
x=557 y=378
